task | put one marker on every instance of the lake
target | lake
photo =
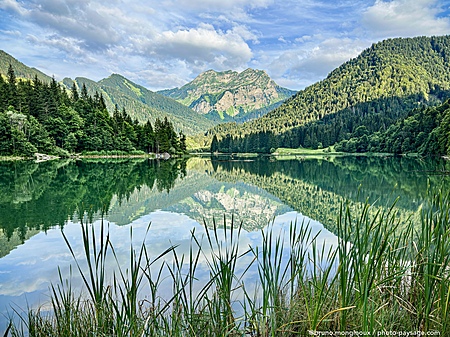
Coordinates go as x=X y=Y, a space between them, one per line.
x=39 y=201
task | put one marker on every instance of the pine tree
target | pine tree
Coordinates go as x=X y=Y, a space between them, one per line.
x=12 y=89
x=74 y=91
x=11 y=76
x=214 y=144
x=84 y=93
x=183 y=147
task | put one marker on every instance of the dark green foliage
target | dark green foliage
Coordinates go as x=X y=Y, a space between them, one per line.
x=258 y=142
x=425 y=131
x=214 y=144
x=42 y=117
x=382 y=85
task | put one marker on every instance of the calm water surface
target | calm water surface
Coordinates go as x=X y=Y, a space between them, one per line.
x=38 y=201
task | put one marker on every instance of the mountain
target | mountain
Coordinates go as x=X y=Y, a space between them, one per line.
x=20 y=69
x=230 y=95
x=141 y=103
x=383 y=84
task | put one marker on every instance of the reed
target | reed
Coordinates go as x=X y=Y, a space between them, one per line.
x=382 y=276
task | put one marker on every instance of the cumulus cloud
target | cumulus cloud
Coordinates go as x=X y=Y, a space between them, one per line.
x=80 y=22
x=203 y=45
x=13 y=33
x=66 y=44
x=405 y=18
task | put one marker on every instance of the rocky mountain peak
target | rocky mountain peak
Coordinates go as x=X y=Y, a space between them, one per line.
x=229 y=93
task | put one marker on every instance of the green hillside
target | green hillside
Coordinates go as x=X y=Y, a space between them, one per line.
x=383 y=84
x=425 y=131
x=143 y=104
x=20 y=69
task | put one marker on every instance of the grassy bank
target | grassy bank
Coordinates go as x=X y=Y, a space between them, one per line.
x=329 y=151
x=379 y=279
x=11 y=158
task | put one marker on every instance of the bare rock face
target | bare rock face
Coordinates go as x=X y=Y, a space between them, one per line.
x=230 y=92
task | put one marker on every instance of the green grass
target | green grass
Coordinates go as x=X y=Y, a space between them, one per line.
x=329 y=151
x=304 y=152
x=380 y=278
x=12 y=158
x=113 y=153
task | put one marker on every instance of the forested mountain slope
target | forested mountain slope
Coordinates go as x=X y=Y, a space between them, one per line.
x=143 y=104
x=384 y=83
x=425 y=131
x=20 y=69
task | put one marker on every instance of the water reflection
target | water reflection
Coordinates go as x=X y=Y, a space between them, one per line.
x=177 y=197
x=29 y=270
x=318 y=187
x=40 y=196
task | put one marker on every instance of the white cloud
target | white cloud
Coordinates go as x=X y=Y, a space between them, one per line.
x=405 y=18
x=97 y=31
x=303 y=38
x=13 y=33
x=12 y=5
x=158 y=75
x=203 y=45
x=67 y=44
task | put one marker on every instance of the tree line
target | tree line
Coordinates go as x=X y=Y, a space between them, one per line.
x=424 y=130
x=44 y=117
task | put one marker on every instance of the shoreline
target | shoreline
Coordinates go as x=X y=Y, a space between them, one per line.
x=282 y=154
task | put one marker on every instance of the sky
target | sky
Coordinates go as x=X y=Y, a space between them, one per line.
x=164 y=44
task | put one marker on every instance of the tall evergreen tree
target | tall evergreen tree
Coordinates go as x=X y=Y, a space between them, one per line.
x=214 y=144
x=74 y=91
x=12 y=89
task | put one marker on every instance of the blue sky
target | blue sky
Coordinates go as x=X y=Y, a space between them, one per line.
x=166 y=43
